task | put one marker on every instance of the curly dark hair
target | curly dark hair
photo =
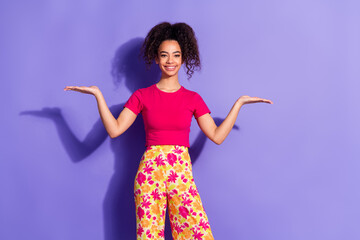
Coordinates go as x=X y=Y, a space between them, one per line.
x=183 y=34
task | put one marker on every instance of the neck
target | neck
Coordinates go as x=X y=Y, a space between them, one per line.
x=169 y=83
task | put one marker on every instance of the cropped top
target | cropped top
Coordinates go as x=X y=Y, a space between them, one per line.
x=167 y=115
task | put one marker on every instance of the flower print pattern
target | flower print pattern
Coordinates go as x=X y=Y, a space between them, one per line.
x=197 y=235
x=141 y=178
x=172 y=177
x=165 y=178
x=187 y=202
x=204 y=224
x=193 y=191
x=140 y=230
x=178 y=150
x=184 y=212
x=171 y=158
x=159 y=161
x=140 y=213
x=146 y=204
x=155 y=194
x=148 y=169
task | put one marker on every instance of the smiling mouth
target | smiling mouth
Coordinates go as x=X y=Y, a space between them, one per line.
x=170 y=68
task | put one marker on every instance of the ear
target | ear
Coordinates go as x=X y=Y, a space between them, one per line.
x=156 y=60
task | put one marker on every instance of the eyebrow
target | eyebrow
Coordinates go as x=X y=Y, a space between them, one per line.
x=167 y=52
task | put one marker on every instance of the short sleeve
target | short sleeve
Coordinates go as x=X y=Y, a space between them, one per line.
x=200 y=106
x=135 y=102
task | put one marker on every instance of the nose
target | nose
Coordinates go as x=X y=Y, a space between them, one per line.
x=170 y=59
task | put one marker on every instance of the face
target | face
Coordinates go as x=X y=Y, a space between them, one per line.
x=169 y=58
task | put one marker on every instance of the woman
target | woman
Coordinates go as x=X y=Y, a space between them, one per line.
x=165 y=176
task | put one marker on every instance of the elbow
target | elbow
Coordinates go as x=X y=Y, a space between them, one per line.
x=218 y=141
x=113 y=135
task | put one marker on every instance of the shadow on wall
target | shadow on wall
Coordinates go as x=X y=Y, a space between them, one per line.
x=118 y=205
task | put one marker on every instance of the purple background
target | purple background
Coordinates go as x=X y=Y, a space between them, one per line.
x=290 y=170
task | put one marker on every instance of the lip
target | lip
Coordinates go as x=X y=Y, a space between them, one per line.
x=170 y=68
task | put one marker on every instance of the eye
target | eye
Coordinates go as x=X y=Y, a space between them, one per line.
x=163 y=55
x=177 y=55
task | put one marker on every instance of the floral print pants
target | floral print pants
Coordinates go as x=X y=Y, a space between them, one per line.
x=165 y=178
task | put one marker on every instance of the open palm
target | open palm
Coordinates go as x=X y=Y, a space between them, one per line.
x=88 y=90
x=247 y=99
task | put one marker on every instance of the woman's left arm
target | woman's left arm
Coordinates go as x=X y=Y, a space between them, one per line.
x=217 y=134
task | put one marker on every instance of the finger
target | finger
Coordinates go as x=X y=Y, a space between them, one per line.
x=268 y=101
x=257 y=100
x=262 y=99
x=75 y=88
x=69 y=87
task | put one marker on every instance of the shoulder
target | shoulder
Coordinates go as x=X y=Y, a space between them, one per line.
x=144 y=91
x=194 y=96
x=190 y=93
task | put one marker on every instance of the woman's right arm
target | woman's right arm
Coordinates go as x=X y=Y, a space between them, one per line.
x=114 y=127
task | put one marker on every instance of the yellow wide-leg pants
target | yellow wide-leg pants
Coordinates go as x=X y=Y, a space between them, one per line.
x=164 y=178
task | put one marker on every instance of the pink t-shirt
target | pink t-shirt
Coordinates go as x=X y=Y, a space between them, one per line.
x=167 y=116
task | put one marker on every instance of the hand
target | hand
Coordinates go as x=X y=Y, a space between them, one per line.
x=247 y=99
x=88 y=90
